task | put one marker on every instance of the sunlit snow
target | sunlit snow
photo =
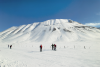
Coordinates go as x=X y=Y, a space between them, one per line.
x=78 y=45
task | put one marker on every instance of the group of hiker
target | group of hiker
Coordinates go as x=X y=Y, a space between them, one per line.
x=10 y=46
x=53 y=47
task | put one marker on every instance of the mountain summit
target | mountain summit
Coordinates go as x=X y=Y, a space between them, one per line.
x=54 y=30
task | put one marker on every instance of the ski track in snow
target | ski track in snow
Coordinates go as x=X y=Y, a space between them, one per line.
x=20 y=56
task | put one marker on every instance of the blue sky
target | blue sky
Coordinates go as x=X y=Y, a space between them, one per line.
x=20 y=12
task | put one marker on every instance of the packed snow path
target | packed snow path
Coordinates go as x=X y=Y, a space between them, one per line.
x=63 y=57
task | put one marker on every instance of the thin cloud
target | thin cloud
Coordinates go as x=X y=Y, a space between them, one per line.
x=93 y=24
x=98 y=13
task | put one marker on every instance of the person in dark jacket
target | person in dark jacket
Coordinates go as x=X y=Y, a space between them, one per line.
x=40 y=48
x=10 y=46
x=52 y=46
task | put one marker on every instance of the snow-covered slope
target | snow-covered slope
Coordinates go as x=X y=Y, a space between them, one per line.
x=77 y=45
x=54 y=30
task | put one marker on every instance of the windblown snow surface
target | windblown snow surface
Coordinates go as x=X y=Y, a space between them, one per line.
x=77 y=45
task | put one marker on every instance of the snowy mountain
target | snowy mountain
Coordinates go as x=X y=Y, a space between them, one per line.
x=54 y=30
x=78 y=45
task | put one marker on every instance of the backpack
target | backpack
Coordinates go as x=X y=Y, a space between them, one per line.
x=40 y=46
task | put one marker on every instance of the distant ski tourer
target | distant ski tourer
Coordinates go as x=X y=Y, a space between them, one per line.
x=40 y=48
x=54 y=46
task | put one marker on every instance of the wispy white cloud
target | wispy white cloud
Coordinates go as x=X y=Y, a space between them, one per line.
x=93 y=24
x=98 y=13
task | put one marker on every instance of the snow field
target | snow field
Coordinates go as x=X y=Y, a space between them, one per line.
x=28 y=55
x=77 y=45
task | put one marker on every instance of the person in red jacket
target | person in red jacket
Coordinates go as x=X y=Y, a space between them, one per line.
x=40 y=48
x=54 y=46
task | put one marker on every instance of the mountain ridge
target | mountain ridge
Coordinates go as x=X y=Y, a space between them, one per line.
x=54 y=30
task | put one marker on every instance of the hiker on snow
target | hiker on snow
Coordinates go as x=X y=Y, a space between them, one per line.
x=10 y=46
x=40 y=48
x=52 y=46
